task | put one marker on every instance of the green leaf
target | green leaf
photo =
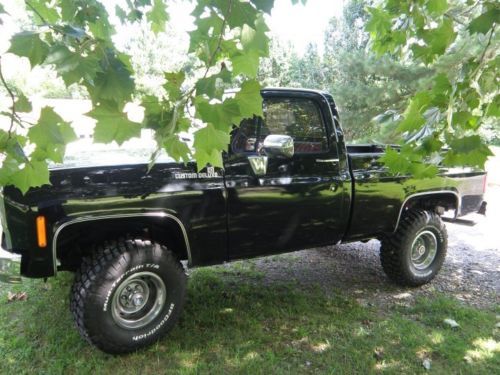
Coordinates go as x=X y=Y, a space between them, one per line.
x=208 y=142
x=493 y=109
x=113 y=124
x=173 y=84
x=176 y=148
x=73 y=67
x=471 y=97
x=255 y=38
x=465 y=120
x=208 y=26
x=394 y=161
x=43 y=11
x=158 y=16
x=120 y=13
x=113 y=83
x=28 y=44
x=488 y=81
x=413 y=116
x=485 y=21
x=379 y=23
x=246 y=63
x=422 y=53
x=35 y=173
x=101 y=31
x=422 y=170
x=431 y=144
x=155 y=112
x=221 y=115
x=441 y=91
x=23 y=104
x=50 y=135
x=7 y=169
x=237 y=13
x=249 y=99
x=263 y=5
x=413 y=121
x=11 y=145
x=440 y=38
x=208 y=86
x=68 y=10
x=469 y=150
x=437 y=7
x=442 y=84
x=203 y=158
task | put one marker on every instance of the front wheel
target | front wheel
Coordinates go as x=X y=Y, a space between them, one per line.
x=128 y=295
x=414 y=254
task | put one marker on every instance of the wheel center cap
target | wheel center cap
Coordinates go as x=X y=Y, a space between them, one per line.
x=421 y=250
x=138 y=299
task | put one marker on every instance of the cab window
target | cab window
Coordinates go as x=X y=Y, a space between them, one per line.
x=299 y=118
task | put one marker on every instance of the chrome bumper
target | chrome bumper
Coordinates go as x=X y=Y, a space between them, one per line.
x=10 y=268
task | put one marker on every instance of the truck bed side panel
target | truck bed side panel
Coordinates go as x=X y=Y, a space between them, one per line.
x=379 y=196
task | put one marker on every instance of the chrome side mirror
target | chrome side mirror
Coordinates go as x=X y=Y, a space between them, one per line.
x=278 y=145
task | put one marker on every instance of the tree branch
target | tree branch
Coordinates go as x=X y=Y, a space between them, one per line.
x=217 y=47
x=481 y=59
x=13 y=98
x=37 y=13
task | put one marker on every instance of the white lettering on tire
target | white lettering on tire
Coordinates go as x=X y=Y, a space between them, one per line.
x=155 y=329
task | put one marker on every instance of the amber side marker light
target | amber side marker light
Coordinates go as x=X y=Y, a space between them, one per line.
x=41 y=232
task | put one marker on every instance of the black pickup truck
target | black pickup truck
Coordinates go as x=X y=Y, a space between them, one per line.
x=289 y=182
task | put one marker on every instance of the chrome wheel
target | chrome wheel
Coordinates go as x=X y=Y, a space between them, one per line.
x=423 y=250
x=138 y=300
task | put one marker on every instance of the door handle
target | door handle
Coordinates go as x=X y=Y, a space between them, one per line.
x=327 y=160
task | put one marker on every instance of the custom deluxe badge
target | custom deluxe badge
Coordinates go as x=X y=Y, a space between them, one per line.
x=210 y=173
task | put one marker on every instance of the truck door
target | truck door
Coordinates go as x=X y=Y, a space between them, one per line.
x=294 y=202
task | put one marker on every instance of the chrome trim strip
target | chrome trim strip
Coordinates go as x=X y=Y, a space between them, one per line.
x=327 y=160
x=117 y=216
x=457 y=212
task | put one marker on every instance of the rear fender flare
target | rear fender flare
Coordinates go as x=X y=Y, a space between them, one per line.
x=428 y=193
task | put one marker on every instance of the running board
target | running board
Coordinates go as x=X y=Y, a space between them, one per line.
x=468 y=223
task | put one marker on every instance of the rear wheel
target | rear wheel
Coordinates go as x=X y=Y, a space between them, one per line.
x=128 y=295
x=414 y=254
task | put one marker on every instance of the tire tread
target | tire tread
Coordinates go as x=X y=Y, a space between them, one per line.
x=391 y=256
x=105 y=257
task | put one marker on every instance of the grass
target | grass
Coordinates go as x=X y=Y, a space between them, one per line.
x=236 y=323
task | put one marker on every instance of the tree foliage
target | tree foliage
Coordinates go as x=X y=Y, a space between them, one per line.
x=459 y=41
x=74 y=38
x=364 y=86
x=454 y=41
